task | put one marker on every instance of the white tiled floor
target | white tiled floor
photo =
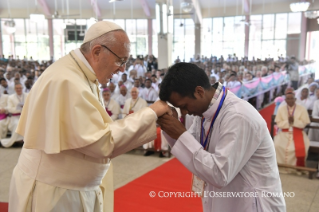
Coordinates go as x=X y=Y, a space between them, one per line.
x=129 y=166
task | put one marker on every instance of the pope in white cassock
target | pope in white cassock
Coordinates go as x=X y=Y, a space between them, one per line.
x=228 y=148
x=69 y=138
x=15 y=105
x=134 y=103
x=111 y=106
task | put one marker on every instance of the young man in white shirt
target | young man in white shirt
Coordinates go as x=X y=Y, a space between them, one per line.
x=228 y=148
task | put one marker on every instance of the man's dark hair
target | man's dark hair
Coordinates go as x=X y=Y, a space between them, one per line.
x=153 y=75
x=148 y=79
x=2 y=79
x=183 y=78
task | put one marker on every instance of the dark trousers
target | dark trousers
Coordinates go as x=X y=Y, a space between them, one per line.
x=294 y=84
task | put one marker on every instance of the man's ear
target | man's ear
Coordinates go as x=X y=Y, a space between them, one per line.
x=95 y=51
x=199 y=92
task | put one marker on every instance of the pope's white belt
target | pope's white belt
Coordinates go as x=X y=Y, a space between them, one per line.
x=69 y=169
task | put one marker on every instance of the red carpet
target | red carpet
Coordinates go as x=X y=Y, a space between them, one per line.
x=266 y=113
x=3 y=207
x=170 y=177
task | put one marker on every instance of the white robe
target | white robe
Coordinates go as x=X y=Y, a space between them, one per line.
x=149 y=94
x=69 y=140
x=130 y=105
x=284 y=143
x=114 y=107
x=307 y=103
x=15 y=106
x=4 y=122
x=129 y=85
x=314 y=133
x=240 y=158
x=9 y=89
x=121 y=99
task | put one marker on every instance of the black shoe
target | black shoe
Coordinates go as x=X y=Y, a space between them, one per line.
x=161 y=155
x=148 y=153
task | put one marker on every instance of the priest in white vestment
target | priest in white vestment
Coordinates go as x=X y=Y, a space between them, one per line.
x=314 y=133
x=134 y=103
x=149 y=94
x=5 y=87
x=4 y=119
x=291 y=143
x=228 y=148
x=128 y=84
x=111 y=106
x=15 y=105
x=123 y=96
x=69 y=139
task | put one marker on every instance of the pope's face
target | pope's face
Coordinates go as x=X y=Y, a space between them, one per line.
x=108 y=61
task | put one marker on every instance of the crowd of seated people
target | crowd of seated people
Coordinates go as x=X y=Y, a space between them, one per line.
x=16 y=80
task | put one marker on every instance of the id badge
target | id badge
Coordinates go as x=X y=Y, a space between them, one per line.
x=290 y=129
x=198 y=185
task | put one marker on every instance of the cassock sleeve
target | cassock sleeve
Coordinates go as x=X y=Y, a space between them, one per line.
x=281 y=121
x=303 y=119
x=236 y=144
x=125 y=135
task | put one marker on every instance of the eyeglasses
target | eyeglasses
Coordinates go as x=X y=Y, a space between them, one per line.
x=123 y=61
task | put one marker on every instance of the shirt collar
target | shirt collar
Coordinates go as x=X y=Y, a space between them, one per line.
x=208 y=114
x=83 y=59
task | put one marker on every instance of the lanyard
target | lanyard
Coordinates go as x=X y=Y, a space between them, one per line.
x=292 y=114
x=131 y=107
x=204 y=143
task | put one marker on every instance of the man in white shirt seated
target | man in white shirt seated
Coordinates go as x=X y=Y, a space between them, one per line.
x=15 y=105
x=4 y=119
x=154 y=82
x=232 y=81
x=5 y=88
x=137 y=84
x=112 y=91
x=128 y=84
x=215 y=74
x=111 y=106
x=124 y=95
x=149 y=94
x=133 y=104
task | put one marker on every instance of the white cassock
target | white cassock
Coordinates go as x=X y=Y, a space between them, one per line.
x=240 y=158
x=129 y=85
x=284 y=142
x=314 y=133
x=121 y=99
x=9 y=89
x=113 y=107
x=114 y=95
x=4 y=120
x=15 y=105
x=307 y=103
x=132 y=106
x=69 y=140
x=149 y=94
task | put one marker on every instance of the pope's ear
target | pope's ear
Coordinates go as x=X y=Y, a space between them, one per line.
x=96 y=51
x=199 y=92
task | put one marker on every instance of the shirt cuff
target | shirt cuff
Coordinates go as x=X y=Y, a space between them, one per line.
x=169 y=140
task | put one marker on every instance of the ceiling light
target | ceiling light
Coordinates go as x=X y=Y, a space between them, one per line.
x=186 y=6
x=311 y=14
x=299 y=6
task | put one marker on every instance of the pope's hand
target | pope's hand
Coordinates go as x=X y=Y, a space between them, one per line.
x=161 y=108
x=171 y=126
